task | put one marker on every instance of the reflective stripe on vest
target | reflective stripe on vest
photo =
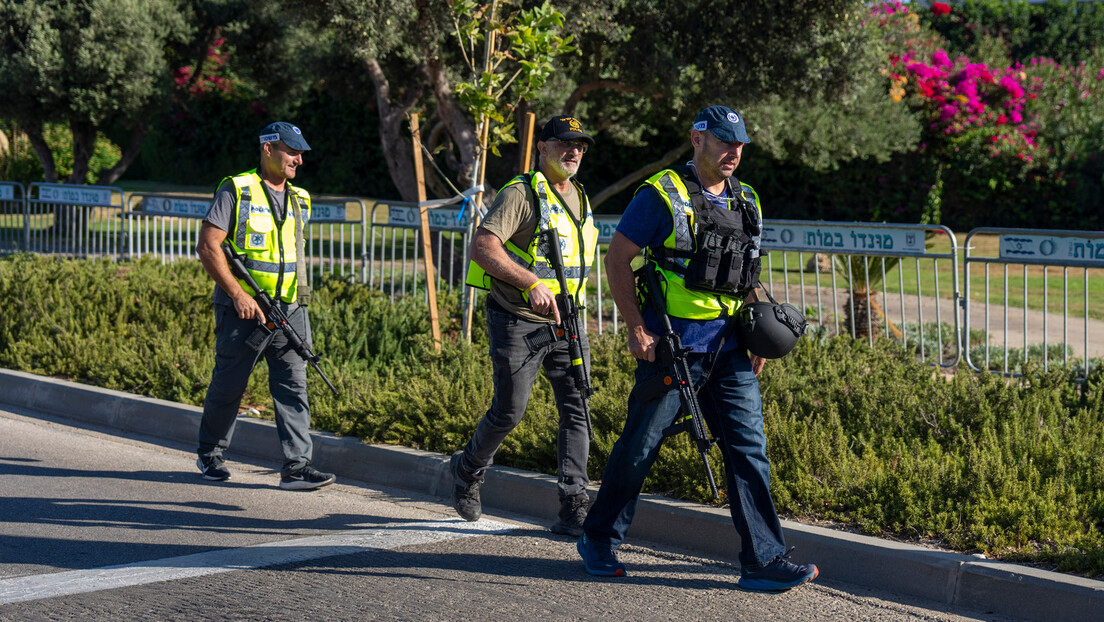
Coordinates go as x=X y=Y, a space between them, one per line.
x=682 y=302
x=257 y=238
x=578 y=244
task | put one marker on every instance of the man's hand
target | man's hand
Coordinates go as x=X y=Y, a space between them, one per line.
x=642 y=343
x=543 y=301
x=248 y=308
x=757 y=363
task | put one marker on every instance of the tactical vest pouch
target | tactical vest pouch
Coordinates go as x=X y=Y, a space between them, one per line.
x=724 y=259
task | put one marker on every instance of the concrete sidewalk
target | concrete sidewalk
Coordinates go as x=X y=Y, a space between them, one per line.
x=963 y=580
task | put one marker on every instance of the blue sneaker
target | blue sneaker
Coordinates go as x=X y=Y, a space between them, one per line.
x=600 y=561
x=777 y=575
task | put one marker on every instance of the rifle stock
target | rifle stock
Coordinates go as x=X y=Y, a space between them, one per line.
x=277 y=319
x=689 y=417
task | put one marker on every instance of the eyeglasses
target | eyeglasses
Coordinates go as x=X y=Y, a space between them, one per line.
x=582 y=146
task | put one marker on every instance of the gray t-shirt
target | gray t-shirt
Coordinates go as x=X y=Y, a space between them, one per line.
x=513 y=216
x=221 y=214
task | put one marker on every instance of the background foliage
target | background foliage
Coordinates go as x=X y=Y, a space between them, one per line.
x=847 y=120
x=861 y=436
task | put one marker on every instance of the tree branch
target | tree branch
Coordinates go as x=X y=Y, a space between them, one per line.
x=594 y=85
x=652 y=167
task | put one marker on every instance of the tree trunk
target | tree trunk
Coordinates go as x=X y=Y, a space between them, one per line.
x=133 y=148
x=456 y=122
x=42 y=150
x=396 y=145
x=84 y=143
x=867 y=306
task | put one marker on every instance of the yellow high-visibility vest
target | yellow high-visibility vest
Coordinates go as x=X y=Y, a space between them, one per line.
x=578 y=242
x=269 y=251
x=681 y=301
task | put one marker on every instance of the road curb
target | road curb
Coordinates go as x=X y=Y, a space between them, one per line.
x=961 y=580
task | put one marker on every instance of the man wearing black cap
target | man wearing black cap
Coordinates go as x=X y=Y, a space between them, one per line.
x=508 y=260
x=262 y=218
x=692 y=219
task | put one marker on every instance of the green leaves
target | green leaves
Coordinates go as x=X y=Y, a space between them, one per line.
x=526 y=43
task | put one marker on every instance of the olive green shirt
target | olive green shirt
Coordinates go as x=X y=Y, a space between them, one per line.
x=514 y=216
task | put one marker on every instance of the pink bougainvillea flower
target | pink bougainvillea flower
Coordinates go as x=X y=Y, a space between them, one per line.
x=941 y=8
x=941 y=60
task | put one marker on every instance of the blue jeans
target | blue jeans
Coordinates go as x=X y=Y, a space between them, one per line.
x=515 y=370
x=732 y=407
x=235 y=357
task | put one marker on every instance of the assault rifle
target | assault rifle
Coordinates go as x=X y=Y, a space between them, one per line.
x=569 y=328
x=669 y=350
x=277 y=319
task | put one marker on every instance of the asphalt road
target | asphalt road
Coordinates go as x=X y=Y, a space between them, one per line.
x=97 y=527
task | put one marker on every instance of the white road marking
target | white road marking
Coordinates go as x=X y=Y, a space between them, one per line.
x=21 y=589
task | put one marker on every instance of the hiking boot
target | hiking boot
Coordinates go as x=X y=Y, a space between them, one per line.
x=306 y=478
x=213 y=468
x=777 y=575
x=600 y=561
x=573 y=511
x=465 y=494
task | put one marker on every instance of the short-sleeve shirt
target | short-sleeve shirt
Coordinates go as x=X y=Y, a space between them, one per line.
x=514 y=216
x=221 y=214
x=647 y=223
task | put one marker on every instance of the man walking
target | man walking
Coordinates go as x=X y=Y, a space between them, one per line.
x=701 y=229
x=509 y=260
x=262 y=218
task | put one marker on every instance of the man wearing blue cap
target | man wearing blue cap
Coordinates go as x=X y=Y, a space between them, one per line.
x=701 y=229
x=262 y=218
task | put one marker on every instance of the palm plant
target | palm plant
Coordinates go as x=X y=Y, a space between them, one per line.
x=863 y=274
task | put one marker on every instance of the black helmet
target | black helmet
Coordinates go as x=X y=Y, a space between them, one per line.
x=770 y=330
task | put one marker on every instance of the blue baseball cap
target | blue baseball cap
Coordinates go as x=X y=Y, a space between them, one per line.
x=286 y=132
x=723 y=122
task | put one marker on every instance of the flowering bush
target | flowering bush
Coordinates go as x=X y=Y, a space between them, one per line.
x=1012 y=137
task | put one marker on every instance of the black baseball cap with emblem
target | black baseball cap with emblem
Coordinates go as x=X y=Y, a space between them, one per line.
x=286 y=132
x=565 y=128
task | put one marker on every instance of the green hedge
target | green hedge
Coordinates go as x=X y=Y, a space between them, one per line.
x=862 y=436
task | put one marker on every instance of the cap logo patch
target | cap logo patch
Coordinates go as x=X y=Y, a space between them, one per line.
x=701 y=125
x=269 y=138
x=732 y=118
x=574 y=125
x=295 y=129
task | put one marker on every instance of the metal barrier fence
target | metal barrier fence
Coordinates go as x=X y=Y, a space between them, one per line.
x=1025 y=260
x=78 y=221
x=167 y=226
x=862 y=279
x=895 y=281
x=12 y=221
x=395 y=262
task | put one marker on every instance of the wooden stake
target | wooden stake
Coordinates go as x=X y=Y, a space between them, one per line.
x=525 y=141
x=427 y=244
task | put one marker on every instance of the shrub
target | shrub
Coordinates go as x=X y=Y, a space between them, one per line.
x=858 y=434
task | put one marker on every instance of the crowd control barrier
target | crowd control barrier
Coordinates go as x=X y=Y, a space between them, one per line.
x=1060 y=271
x=1027 y=293
x=74 y=221
x=868 y=279
x=12 y=221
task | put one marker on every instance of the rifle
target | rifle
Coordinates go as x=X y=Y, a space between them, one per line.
x=277 y=319
x=569 y=327
x=689 y=417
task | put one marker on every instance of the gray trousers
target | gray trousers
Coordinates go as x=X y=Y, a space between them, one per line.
x=235 y=357
x=515 y=370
